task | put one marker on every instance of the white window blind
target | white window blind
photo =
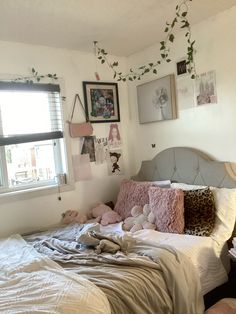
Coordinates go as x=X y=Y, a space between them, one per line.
x=26 y=115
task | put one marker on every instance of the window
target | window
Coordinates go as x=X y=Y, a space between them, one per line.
x=31 y=136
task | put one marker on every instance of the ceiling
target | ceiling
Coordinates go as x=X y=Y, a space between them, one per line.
x=122 y=27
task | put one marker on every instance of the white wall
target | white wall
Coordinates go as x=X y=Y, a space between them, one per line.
x=211 y=128
x=73 y=67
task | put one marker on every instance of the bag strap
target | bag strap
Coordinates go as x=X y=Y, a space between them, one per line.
x=77 y=97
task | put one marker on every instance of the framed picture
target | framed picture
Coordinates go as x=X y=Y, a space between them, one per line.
x=101 y=102
x=157 y=100
x=181 y=67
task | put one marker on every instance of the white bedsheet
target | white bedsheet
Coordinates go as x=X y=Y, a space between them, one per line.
x=204 y=252
x=30 y=283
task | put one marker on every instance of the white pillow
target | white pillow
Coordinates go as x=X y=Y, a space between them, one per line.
x=225 y=202
x=186 y=187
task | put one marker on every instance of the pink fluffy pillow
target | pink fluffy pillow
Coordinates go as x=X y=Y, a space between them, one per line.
x=168 y=207
x=131 y=193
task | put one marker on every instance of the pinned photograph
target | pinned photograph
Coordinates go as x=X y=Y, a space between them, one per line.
x=114 y=138
x=88 y=147
x=81 y=167
x=101 y=150
x=115 y=162
x=185 y=93
x=181 y=67
x=205 y=88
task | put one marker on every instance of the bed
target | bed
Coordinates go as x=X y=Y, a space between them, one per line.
x=141 y=276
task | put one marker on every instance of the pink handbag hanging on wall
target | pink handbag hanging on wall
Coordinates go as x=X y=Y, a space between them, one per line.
x=79 y=129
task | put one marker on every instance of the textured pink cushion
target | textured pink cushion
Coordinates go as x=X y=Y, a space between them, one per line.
x=131 y=193
x=168 y=207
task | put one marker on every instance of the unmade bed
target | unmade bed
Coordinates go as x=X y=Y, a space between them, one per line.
x=152 y=272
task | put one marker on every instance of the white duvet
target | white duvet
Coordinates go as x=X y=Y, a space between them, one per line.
x=35 y=284
x=204 y=253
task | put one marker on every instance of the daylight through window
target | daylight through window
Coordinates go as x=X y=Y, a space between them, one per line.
x=31 y=135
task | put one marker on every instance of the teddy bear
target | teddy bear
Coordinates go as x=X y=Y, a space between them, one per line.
x=104 y=214
x=73 y=216
x=141 y=218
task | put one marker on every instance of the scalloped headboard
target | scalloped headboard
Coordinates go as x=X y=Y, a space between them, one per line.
x=188 y=165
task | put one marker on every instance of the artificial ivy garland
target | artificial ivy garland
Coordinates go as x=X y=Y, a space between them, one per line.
x=35 y=77
x=181 y=12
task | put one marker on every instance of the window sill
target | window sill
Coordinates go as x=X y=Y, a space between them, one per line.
x=20 y=195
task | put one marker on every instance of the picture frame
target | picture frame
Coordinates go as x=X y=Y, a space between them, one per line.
x=101 y=102
x=181 y=67
x=157 y=100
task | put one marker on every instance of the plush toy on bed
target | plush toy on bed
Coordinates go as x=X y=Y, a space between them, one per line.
x=104 y=214
x=100 y=213
x=141 y=218
x=73 y=216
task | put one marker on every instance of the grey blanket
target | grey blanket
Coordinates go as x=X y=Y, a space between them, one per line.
x=137 y=279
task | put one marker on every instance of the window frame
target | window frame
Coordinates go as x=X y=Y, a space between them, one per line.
x=45 y=187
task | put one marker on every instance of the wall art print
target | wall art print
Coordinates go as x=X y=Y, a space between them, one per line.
x=205 y=88
x=115 y=163
x=157 y=100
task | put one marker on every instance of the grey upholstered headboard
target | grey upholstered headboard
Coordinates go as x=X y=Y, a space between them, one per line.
x=188 y=165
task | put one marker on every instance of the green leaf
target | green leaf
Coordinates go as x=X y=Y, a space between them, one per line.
x=177 y=7
x=155 y=71
x=33 y=70
x=102 y=61
x=193 y=76
x=171 y=38
x=168 y=60
x=163 y=56
x=184 y=13
x=151 y=64
x=162 y=48
x=166 y=29
x=174 y=21
x=130 y=79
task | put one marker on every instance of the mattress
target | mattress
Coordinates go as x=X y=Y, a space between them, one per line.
x=204 y=252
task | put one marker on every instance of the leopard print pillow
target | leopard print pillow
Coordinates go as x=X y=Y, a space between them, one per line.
x=199 y=212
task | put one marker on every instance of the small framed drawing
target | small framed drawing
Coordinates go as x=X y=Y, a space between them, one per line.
x=181 y=67
x=157 y=100
x=101 y=102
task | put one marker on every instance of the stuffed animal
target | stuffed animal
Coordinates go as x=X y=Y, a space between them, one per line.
x=104 y=214
x=73 y=216
x=142 y=218
x=97 y=211
x=110 y=217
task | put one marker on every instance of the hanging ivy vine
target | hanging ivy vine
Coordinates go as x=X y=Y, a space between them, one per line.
x=181 y=19
x=35 y=77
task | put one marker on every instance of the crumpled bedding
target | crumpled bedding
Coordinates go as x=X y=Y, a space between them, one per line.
x=32 y=283
x=138 y=279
